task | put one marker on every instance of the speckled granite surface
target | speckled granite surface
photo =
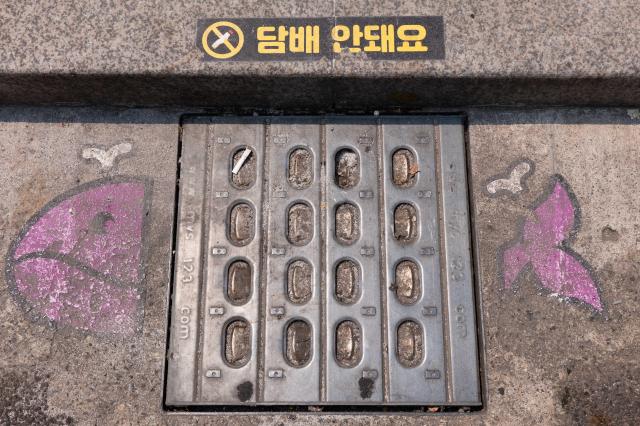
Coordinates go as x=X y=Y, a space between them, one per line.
x=497 y=52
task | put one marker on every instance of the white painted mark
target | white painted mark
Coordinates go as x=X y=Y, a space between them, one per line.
x=634 y=113
x=241 y=160
x=221 y=40
x=513 y=183
x=108 y=157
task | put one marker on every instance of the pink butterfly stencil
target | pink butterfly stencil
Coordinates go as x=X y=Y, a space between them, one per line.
x=544 y=246
x=77 y=262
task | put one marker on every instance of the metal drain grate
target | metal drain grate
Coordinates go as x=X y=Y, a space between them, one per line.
x=323 y=261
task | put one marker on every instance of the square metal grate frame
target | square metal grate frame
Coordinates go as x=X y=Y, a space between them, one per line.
x=322 y=263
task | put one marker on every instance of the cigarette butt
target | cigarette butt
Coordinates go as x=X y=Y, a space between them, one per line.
x=241 y=161
x=221 y=40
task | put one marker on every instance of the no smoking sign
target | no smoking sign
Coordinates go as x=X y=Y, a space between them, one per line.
x=311 y=39
x=222 y=40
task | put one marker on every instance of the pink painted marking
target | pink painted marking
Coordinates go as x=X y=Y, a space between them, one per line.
x=83 y=264
x=558 y=270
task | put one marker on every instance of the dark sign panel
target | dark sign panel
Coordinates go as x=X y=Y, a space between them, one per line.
x=300 y=39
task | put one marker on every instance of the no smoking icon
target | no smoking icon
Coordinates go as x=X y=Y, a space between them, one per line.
x=222 y=40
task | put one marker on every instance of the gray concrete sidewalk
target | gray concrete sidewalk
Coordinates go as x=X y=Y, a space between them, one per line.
x=547 y=358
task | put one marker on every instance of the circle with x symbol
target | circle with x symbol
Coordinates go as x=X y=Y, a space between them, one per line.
x=222 y=40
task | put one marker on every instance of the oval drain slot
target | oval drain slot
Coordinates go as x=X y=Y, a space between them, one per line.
x=300 y=224
x=407 y=282
x=246 y=176
x=347 y=224
x=298 y=343
x=299 y=281
x=239 y=282
x=405 y=223
x=242 y=223
x=404 y=168
x=348 y=344
x=237 y=343
x=347 y=282
x=347 y=173
x=300 y=173
x=409 y=344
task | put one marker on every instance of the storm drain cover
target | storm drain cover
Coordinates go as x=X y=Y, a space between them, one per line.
x=322 y=263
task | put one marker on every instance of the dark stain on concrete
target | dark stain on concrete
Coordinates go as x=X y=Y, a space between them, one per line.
x=606 y=395
x=245 y=391
x=23 y=400
x=609 y=234
x=623 y=274
x=366 y=387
